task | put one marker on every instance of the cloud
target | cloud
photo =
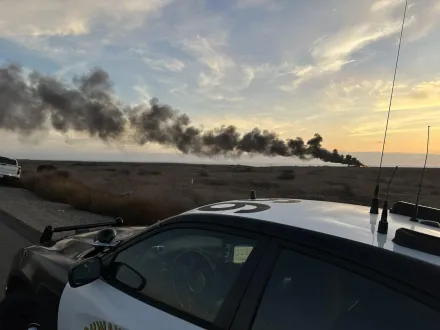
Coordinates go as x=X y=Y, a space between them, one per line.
x=339 y=47
x=424 y=18
x=223 y=77
x=53 y=17
x=219 y=77
x=204 y=50
x=143 y=92
x=71 y=69
x=374 y=95
x=398 y=124
x=385 y=4
x=365 y=103
x=175 y=86
x=267 y=4
x=252 y=3
x=331 y=52
x=423 y=95
x=173 y=65
x=157 y=61
x=352 y=95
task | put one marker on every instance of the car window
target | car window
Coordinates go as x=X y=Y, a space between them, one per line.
x=4 y=160
x=188 y=269
x=306 y=293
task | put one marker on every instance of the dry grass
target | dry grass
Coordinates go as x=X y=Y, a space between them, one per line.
x=58 y=186
x=145 y=193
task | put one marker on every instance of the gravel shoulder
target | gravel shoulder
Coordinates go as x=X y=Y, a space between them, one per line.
x=39 y=213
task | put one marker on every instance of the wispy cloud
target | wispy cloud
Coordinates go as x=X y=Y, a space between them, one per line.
x=157 y=61
x=207 y=53
x=365 y=104
x=333 y=51
x=143 y=92
x=71 y=69
x=169 y=64
x=219 y=77
x=330 y=53
x=266 y=4
x=52 y=17
x=381 y=5
x=409 y=123
x=423 y=95
x=374 y=95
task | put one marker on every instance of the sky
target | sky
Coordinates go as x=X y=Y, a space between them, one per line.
x=294 y=67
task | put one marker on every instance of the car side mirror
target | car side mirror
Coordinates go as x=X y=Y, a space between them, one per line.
x=85 y=272
x=127 y=276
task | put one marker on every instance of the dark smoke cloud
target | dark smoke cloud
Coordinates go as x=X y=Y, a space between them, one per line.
x=37 y=102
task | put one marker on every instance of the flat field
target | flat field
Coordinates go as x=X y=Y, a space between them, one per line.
x=144 y=192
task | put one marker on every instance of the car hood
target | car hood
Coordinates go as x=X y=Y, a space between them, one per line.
x=79 y=245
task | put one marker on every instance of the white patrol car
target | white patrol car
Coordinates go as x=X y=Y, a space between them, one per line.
x=246 y=264
x=9 y=169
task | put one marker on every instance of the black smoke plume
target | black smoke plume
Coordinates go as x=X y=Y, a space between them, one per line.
x=37 y=102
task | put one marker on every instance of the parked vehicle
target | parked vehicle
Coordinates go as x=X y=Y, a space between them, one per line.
x=10 y=170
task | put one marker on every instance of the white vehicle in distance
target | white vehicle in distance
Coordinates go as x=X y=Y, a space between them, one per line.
x=10 y=171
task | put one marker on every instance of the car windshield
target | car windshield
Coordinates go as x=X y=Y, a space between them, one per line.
x=4 y=160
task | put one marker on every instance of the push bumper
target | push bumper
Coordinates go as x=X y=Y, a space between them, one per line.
x=9 y=178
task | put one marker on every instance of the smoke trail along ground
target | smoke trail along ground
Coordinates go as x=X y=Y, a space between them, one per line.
x=89 y=105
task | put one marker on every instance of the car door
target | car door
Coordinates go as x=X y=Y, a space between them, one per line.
x=193 y=278
x=296 y=287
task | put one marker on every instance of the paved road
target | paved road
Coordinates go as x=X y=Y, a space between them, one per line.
x=12 y=237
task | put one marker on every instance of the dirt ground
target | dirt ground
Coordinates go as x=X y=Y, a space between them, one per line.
x=210 y=183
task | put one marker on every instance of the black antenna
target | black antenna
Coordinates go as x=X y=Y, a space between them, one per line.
x=375 y=201
x=416 y=207
x=383 y=223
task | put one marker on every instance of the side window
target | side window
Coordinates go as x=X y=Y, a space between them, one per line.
x=188 y=269
x=306 y=293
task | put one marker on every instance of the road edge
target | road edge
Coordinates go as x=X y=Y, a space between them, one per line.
x=23 y=229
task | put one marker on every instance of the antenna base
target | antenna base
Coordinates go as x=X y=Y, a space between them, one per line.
x=374 y=209
x=383 y=227
x=253 y=194
x=415 y=213
x=383 y=223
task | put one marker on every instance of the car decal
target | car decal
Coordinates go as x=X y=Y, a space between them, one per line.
x=102 y=325
x=229 y=206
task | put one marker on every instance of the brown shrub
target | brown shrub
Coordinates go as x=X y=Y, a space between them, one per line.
x=286 y=175
x=204 y=173
x=53 y=186
x=46 y=167
x=62 y=174
x=215 y=182
x=57 y=187
x=146 y=172
x=243 y=169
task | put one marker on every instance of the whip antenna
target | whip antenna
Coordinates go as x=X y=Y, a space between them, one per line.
x=375 y=201
x=383 y=223
x=416 y=207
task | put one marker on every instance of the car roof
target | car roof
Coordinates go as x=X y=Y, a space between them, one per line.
x=353 y=222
